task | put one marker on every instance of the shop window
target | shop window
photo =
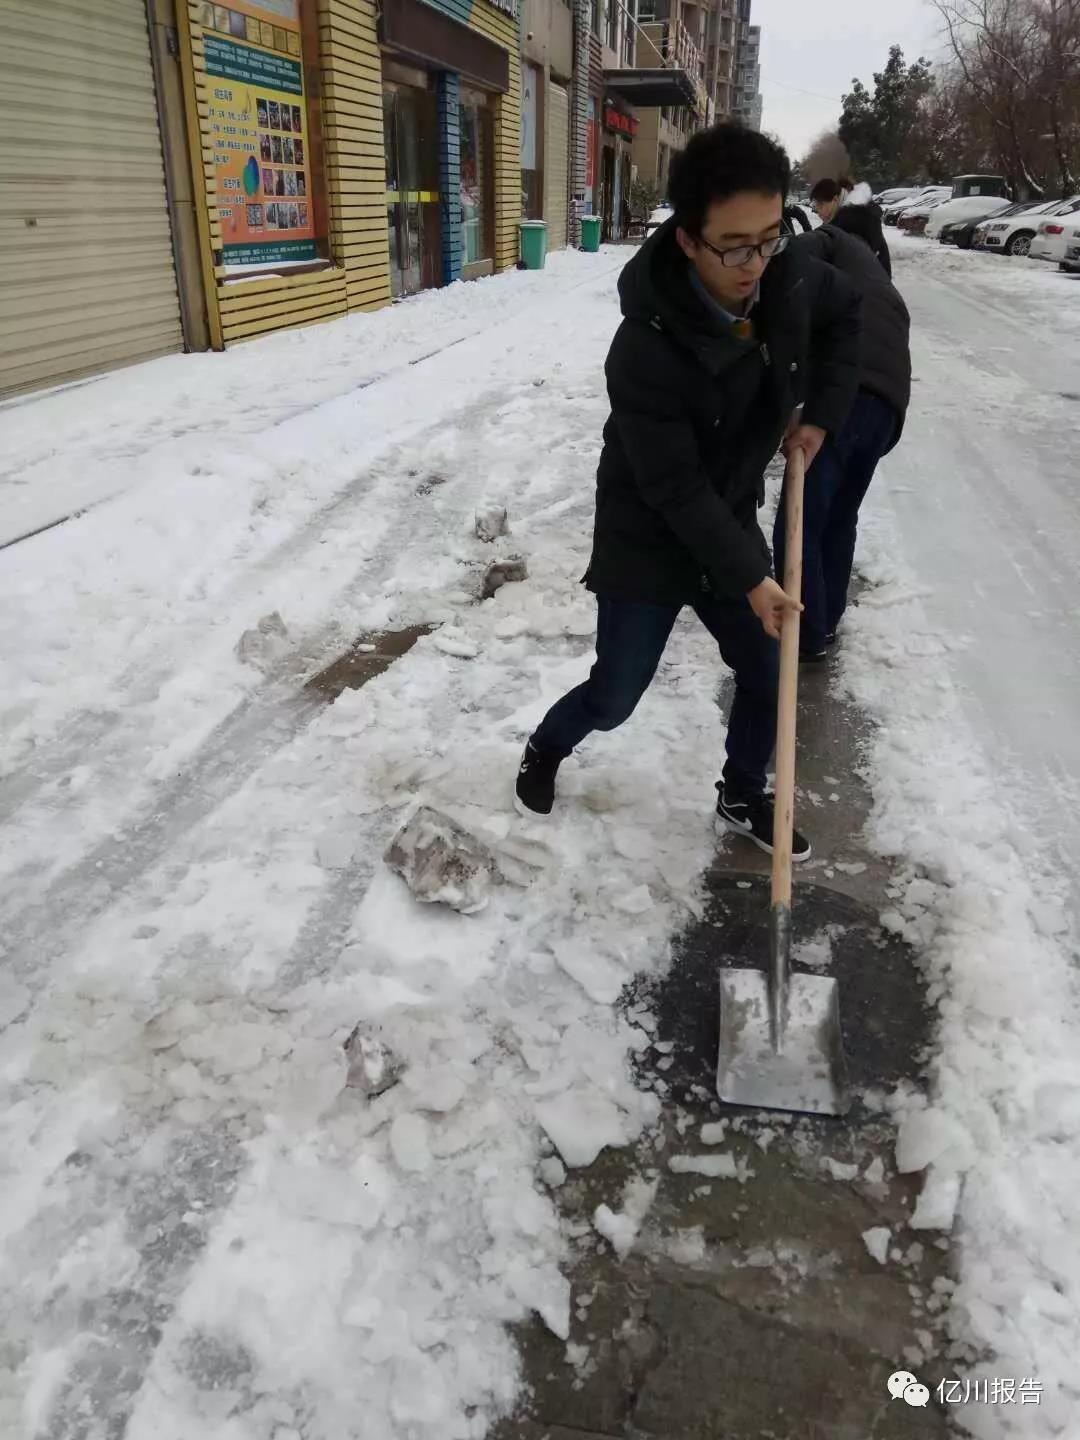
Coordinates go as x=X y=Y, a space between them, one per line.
x=477 y=179
x=265 y=132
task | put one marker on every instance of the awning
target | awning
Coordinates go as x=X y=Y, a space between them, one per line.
x=651 y=88
x=425 y=35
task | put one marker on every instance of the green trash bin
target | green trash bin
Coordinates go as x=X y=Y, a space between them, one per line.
x=533 y=243
x=590 y=233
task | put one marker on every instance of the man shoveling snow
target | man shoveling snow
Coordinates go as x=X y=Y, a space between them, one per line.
x=724 y=336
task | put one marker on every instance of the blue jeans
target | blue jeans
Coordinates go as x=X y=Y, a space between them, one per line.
x=835 y=486
x=630 y=639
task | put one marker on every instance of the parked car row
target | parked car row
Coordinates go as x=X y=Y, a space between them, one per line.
x=1043 y=229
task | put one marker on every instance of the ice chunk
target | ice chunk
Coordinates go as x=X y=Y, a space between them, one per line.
x=511 y=571
x=491 y=521
x=924 y=1136
x=687 y=1247
x=600 y=978
x=543 y=1290
x=876 y=1241
x=874 y=1174
x=409 y=1143
x=373 y=1067
x=580 y=1123
x=716 y=1167
x=436 y=1087
x=452 y=640
x=265 y=644
x=634 y=902
x=441 y=862
x=715 y=1132
x=621 y=1228
x=936 y=1207
x=552 y=1172
x=838 y=1169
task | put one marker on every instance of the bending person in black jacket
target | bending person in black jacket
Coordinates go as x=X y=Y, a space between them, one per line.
x=725 y=333
x=839 y=478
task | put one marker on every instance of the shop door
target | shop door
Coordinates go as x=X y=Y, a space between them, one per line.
x=410 y=130
x=87 y=279
x=556 y=164
x=607 y=191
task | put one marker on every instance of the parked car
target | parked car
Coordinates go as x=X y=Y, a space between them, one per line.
x=962 y=232
x=895 y=195
x=1013 y=234
x=966 y=207
x=1053 y=233
x=928 y=192
x=914 y=220
x=1071 y=260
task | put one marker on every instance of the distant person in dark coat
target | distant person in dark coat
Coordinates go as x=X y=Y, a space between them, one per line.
x=839 y=478
x=723 y=337
x=864 y=220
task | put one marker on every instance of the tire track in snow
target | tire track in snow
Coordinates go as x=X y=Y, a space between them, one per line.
x=265 y=722
x=76 y=741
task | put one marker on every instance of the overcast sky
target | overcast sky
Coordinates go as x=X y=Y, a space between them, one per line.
x=819 y=45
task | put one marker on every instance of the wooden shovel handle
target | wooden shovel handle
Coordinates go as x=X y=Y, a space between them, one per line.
x=783 y=823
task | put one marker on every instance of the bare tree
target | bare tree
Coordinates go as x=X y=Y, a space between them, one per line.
x=995 y=46
x=1059 y=22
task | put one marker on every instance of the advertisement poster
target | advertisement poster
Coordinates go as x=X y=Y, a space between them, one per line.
x=258 y=122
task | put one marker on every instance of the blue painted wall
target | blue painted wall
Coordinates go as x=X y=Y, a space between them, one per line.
x=448 y=96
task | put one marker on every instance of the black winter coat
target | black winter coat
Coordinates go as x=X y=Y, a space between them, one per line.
x=697 y=414
x=885 y=355
x=864 y=221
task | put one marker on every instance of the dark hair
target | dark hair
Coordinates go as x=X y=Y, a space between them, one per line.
x=826 y=190
x=720 y=162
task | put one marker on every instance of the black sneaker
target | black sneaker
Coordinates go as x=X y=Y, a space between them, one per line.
x=535 y=786
x=752 y=816
x=830 y=638
x=813 y=657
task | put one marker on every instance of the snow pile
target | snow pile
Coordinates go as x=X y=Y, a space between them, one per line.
x=1001 y=1135
x=326 y=1120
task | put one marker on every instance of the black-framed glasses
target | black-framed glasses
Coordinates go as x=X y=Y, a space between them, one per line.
x=743 y=254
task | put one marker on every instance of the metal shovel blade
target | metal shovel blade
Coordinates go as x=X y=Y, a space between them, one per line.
x=800 y=1068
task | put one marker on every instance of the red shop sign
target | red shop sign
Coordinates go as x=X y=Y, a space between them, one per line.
x=624 y=124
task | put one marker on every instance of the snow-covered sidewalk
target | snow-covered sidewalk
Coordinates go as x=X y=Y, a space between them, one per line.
x=206 y=1230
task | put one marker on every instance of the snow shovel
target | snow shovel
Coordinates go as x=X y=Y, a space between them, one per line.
x=780 y=1041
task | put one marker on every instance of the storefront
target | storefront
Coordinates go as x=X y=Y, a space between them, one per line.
x=458 y=204
x=256 y=165
x=619 y=129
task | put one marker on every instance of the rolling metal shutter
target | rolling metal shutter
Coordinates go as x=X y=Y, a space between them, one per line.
x=556 y=165
x=86 y=263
